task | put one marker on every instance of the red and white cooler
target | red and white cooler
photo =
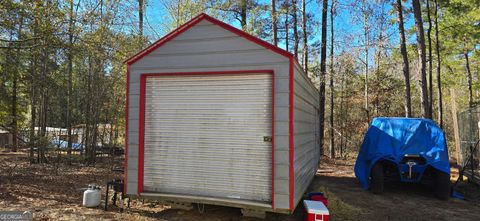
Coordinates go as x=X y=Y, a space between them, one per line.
x=316 y=211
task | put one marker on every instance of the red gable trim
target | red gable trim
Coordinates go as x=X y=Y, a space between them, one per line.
x=195 y=21
x=165 y=39
x=249 y=37
x=291 y=159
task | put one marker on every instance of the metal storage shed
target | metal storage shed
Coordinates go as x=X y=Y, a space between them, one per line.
x=217 y=116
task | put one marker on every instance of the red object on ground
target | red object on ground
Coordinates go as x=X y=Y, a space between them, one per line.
x=316 y=211
x=320 y=198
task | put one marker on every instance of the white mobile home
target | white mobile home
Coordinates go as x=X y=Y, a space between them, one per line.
x=217 y=116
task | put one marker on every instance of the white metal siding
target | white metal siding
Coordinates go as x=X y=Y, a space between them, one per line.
x=198 y=42
x=307 y=150
x=204 y=135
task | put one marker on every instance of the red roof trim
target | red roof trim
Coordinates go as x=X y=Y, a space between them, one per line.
x=249 y=36
x=165 y=39
x=195 y=21
x=291 y=134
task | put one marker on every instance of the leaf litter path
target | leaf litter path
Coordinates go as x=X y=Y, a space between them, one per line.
x=55 y=193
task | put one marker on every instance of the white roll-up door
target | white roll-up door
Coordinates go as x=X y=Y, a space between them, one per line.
x=204 y=135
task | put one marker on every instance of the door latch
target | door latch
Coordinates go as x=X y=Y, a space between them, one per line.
x=267 y=139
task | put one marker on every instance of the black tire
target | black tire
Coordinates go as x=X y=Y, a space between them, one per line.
x=377 y=180
x=442 y=185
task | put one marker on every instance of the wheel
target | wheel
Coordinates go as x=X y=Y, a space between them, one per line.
x=442 y=185
x=377 y=182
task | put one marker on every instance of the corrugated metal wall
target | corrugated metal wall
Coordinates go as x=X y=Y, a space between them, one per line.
x=208 y=47
x=204 y=135
x=307 y=151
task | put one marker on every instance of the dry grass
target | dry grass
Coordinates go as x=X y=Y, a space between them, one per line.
x=54 y=192
x=400 y=201
x=339 y=209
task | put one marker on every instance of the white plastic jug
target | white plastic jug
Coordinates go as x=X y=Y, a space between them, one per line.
x=92 y=196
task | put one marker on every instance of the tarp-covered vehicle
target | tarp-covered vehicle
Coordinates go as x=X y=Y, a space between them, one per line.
x=404 y=149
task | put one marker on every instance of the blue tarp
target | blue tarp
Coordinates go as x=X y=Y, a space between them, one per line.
x=392 y=138
x=63 y=145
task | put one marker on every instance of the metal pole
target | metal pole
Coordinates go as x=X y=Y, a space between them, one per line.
x=472 y=164
x=106 y=198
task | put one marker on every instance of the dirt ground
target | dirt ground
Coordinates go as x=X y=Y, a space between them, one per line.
x=400 y=201
x=54 y=192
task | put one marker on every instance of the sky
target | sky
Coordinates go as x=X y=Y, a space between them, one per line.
x=348 y=23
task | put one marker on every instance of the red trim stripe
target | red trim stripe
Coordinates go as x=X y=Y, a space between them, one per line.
x=165 y=39
x=141 y=141
x=248 y=36
x=273 y=141
x=195 y=21
x=207 y=73
x=141 y=135
x=291 y=133
x=125 y=159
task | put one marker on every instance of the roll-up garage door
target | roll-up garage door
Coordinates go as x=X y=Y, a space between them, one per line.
x=204 y=135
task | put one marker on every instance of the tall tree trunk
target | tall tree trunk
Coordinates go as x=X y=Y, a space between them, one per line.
x=243 y=14
x=14 y=113
x=69 y=85
x=295 y=29
x=88 y=111
x=88 y=142
x=43 y=101
x=378 y=59
x=140 y=16
x=469 y=77
x=439 y=80
x=14 y=91
x=93 y=157
x=274 y=23
x=332 y=132
x=116 y=134
x=346 y=133
x=406 y=68
x=44 y=109
x=323 y=73
x=33 y=84
x=110 y=135
x=287 y=28
x=33 y=116
x=417 y=12
x=305 y=36
x=342 y=115
x=366 y=32
x=430 y=77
